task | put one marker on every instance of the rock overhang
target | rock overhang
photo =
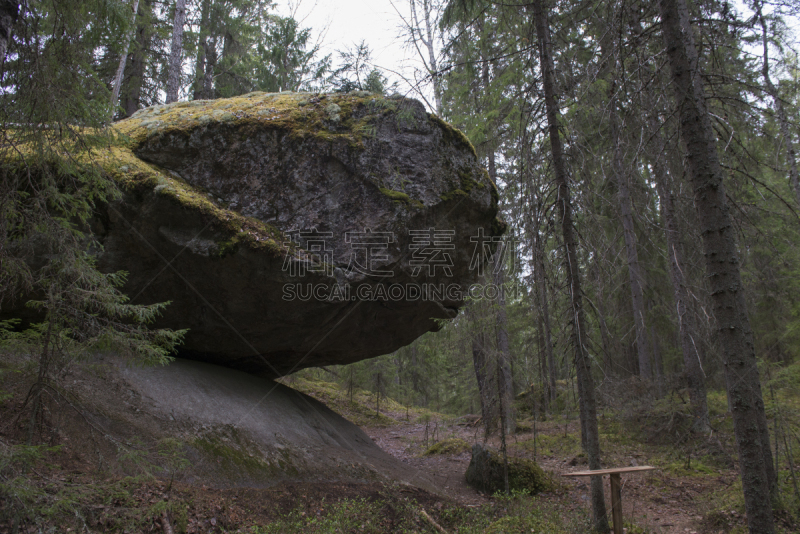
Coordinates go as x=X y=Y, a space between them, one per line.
x=295 y=230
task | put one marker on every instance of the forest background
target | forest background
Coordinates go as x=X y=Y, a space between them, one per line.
x=572 y=107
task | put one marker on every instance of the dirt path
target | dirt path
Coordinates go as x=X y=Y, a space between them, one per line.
x=655 y=501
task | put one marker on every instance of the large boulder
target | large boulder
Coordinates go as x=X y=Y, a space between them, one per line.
x=297 y=230
x=486 y=472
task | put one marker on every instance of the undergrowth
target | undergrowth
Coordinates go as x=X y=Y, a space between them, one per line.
x=362 y=407
x=519 y=513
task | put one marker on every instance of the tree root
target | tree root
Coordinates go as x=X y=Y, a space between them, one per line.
x=430 y=520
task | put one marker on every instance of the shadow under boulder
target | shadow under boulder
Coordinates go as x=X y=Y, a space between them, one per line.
x=485 y=473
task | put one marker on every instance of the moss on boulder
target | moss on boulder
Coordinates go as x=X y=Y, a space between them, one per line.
x=220 y=198
x=485 y=473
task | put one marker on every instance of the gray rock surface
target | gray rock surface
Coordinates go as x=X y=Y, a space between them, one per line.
x=236 y=429
x=220 y=221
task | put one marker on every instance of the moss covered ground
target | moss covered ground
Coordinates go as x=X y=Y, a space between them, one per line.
x=451 y=446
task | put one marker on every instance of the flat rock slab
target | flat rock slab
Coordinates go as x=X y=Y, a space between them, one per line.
x=242 y=430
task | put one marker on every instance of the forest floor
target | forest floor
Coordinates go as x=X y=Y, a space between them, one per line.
x=694 y=490
x=657 y=502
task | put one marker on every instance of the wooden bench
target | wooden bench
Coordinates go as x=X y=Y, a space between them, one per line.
x=616 y=488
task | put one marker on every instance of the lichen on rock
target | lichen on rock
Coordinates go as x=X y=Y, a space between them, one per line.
x=332 y=111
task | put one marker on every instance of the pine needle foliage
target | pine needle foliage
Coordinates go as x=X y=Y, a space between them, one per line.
x=54 y=109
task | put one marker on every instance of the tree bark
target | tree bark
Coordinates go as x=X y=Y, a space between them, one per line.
x=722 y=264
x=588 y=410
x=200 y=66
x=533 y=217
x=658 y=364
x=543 y=373
x=544 y=310
x=483 y=374
x=610 y=51
x=117 y=83
x=505 y=380
x=9 y=12
x=415 y=369
x=210 y=47
x=687 y=320
x=601 y=318
x=133 y=80
x=540 y=281
x=427 y=41
x=175 y=56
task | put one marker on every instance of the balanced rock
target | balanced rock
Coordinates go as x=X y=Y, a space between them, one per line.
x=296 y=230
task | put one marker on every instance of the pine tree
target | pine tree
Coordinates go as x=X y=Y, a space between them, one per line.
x=175 y=63
x=722 y=264
x=50 y=187
x=588 y=410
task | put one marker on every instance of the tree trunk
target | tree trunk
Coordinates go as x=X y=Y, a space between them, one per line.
x=588 y=410
x=175 y=56
x=483 y=373
x=544 y=310
x=782 y=120
x=722 y=265
x=427 y=19
x=202 y=44
x=131 y=92
x=658 y=364
x=505 y=381
x=608 y=363
x=501 y=387
x=117 y=83
x=414 y=370
x=543 y=372
x=610 y=51
x=9 y=12
x=540 y=281
x=634 y=269
x=210 y=47
x=687 y=320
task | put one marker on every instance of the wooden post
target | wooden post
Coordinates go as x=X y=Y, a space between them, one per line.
x=616 y=502
x=616 y=488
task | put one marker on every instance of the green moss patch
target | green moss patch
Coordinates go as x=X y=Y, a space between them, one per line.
x=402 y=198
x=552 y=444
x=135 y=176
x=357 y=406
x=467 y=182
x=451 y=134
x=234 y=457
x=395 y=195
x=450 y=446
x=527 y=524
x=327 y=117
